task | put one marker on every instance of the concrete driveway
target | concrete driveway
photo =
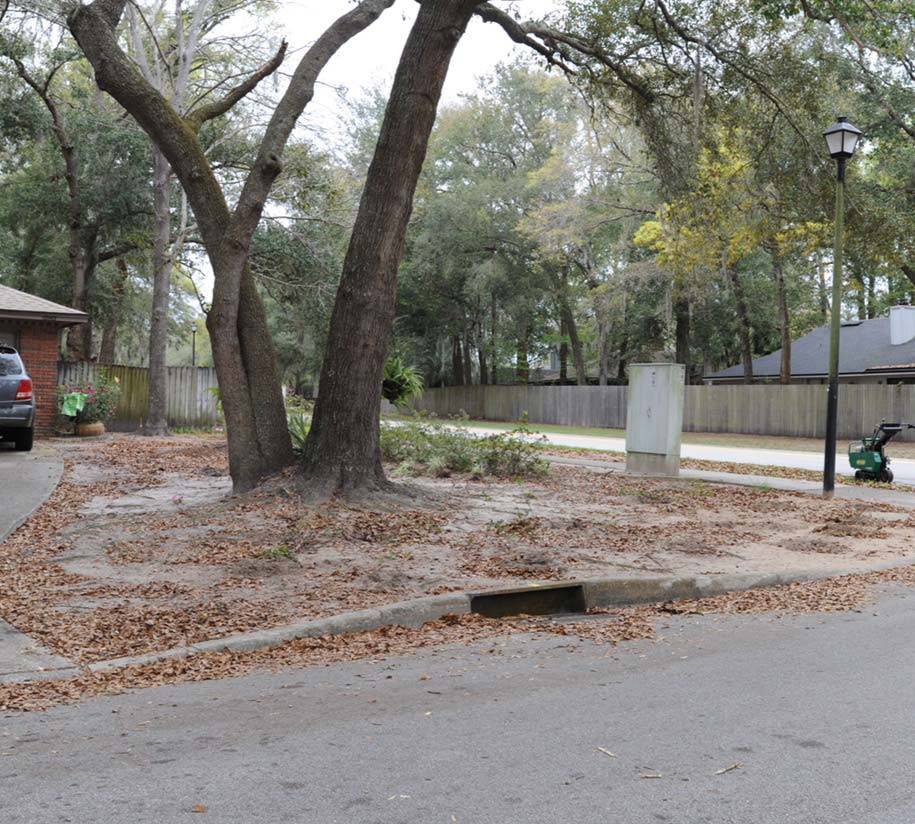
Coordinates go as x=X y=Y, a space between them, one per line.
x=26 y=481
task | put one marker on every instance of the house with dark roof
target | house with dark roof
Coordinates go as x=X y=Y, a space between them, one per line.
x=881 y=350
x=33 y=325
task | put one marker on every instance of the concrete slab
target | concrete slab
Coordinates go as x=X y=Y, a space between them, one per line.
x=22 y=658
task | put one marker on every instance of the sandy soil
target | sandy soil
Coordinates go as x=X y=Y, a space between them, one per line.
x=142 y=548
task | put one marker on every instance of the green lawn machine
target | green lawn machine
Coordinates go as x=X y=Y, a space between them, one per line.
x=867 y=456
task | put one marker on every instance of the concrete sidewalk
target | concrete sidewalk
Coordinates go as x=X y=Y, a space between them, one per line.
x=850 y=493
x=904 y=470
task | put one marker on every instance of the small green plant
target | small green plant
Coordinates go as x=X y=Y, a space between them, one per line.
x=299 y=424
x=426 y=446
x=217 y=396
x=278 y=553
x=401 y=383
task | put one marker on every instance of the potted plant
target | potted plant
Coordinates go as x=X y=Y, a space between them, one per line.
x=90 y=405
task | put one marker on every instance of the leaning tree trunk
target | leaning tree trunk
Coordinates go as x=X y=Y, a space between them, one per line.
x=578 y=356
x=343 y=451
x=157 y=418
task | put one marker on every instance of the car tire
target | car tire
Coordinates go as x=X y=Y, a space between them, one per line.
x=24 y=440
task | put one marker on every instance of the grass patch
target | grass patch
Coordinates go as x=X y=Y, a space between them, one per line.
x=278 y=553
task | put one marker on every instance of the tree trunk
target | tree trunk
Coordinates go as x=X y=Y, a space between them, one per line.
x=822 y=291
x=743 y=320
x=563 y=351
x=494 y=312
x=481 y=355
x=342 y=451
x=784 y=321
x=242 y=350
x=468 y=360
x=603 y=352
x=578 y=357
x=457 y=362
x=871 y=296
x=157 y=418
x=108 y=352
x=682 y=321
x=523 y=369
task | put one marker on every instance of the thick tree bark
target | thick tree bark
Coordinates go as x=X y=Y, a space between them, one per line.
x=743 y=321
x=258 y=438
x=108 y=351
x=784 y=321
x=343 y=447
x=157 y=419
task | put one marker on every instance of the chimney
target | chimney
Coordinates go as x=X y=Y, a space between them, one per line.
x=902 y=324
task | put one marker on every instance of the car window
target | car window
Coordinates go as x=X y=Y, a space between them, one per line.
x=10 y=364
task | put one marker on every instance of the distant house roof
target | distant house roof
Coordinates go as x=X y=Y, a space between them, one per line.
x=864 y=347
x=16 y=305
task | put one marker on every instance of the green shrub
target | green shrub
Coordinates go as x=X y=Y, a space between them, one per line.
x=102 y=397
x=401 y=383
x=299 y=423
x=427 y=446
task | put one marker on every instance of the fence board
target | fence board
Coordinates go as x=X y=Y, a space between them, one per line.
x=190 y=401
x=794 y=411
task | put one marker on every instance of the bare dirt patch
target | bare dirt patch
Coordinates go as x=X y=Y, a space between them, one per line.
x=141 y=548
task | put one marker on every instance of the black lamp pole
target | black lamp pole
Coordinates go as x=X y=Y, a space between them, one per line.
x=842 y=139
x=194 y=345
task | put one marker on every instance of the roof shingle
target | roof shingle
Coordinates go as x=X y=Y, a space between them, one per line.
x=863 y=347
x=23 y=306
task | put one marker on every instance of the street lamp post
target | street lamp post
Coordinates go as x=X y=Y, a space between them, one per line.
x=194 y=344
x=841 y=140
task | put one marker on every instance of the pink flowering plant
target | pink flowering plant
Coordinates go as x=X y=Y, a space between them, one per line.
x=102 y=397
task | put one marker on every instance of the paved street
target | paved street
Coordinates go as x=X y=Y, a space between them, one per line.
x=819 y=712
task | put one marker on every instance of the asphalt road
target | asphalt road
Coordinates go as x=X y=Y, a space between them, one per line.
x=26 y=480
x=819 y=711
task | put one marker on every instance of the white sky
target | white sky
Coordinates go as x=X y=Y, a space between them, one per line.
x=371 y=57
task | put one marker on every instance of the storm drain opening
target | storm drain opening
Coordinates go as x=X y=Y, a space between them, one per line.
x=536 y=600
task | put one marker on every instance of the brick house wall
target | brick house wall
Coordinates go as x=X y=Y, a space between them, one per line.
x=39 y=345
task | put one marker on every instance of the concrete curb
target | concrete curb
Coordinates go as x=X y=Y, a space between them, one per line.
x=598 y=592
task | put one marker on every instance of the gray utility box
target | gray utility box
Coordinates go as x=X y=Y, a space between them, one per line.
x=654 y=418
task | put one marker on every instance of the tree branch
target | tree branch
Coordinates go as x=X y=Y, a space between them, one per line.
x=209 y=111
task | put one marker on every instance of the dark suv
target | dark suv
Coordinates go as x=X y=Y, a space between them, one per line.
x=17 y=401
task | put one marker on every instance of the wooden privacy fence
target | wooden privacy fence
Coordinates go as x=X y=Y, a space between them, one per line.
x=796 y=411
x=191 y=402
